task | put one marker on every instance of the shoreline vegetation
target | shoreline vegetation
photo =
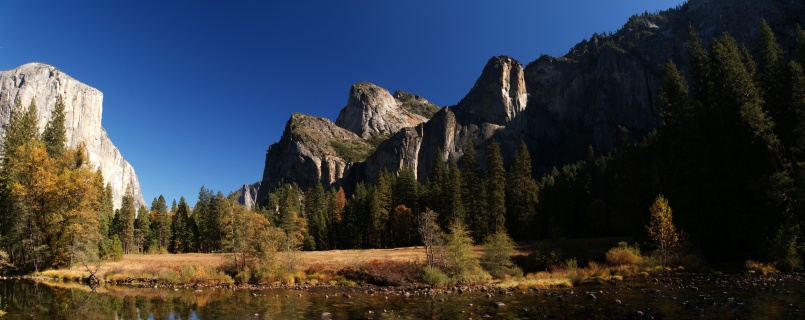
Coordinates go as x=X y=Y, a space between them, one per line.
x=396 y=269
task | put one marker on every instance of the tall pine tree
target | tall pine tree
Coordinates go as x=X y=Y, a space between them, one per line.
x=55 y=136
x=521 y=196
x=496 y=190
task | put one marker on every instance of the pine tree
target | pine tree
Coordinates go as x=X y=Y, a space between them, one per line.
x=55 y=136
x=317 y=217
x=437 y=185
x=219 y=207
x=676 y=108
x=775 y=83
x=521 y=195
x=355 y=219
x=183 y=229
x=473 y=194
x=453 y=192
x=127 y=216
x=496 y=189
x=406 y=189
x=497 y=258
x=160 y=225
x=379 y=210
x=700 y=65
x=142 y=231
x=336 y=201
x=205 y=221
x=459 y=257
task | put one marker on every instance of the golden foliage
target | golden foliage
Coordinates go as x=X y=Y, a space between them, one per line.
x=661 y=229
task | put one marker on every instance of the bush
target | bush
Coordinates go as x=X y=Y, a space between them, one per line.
x=499 y=248
x=383 y=272
x=243 y=276
x=624 y=255
x=435 y=277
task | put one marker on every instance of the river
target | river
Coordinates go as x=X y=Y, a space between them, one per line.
x=679 y=296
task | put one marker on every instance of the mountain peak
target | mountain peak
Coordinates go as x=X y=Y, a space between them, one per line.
x=499 y=94
x=372 y=110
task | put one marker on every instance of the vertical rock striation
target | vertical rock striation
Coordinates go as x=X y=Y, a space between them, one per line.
x=83 y=108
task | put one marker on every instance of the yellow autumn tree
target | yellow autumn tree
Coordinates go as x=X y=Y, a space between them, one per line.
x=661 y=229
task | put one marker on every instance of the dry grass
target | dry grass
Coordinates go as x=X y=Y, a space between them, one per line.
x=176 y=268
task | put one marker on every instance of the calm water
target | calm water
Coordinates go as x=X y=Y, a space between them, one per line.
x=675 y=297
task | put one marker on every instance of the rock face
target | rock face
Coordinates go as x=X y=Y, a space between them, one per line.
x=602 y=91
x=311 y=149
x=83 y=108
x=247 y=195
x=314 y=149
x=499 y=94
x=372 y=110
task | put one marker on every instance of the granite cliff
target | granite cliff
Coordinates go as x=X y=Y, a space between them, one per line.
x=602 y=91
x=372 y=110
x=83 y=109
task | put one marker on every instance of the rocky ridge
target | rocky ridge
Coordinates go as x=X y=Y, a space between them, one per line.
x=372 y=110
x=83 y=110
x=600 y=93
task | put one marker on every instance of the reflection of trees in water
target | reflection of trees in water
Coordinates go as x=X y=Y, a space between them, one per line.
x=716 y=295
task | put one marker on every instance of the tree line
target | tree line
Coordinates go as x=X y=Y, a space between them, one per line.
x=728 y=155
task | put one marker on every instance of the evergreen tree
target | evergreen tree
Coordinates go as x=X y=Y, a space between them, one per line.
x=355 y=219
x=775 y=83
x=675 y=105
x=459 y=259
x=496 y=189
x=473 y=194
x=127 y=214
x=454 y=193
x=317 y=217
x=205 y=220
x=160 y=225
x=55 y=136
x=183 y=229
x=521 y=195
x=379 y=207
x=406 y=189
x=142 y=231
x=336 y=201
x=699 y=64
x=437 y=185
x=497 y=258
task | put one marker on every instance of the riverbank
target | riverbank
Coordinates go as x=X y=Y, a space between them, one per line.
x=400 y=268
x=672 y=295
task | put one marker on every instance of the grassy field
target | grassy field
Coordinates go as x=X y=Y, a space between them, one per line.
x=334 y=259
x=205 y=266
x=398 y=266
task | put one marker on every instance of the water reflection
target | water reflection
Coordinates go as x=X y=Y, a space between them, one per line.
x=681 y=296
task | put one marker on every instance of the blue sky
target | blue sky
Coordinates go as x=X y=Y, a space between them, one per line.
x=196 y=91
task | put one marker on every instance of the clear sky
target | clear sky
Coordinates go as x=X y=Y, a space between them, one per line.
x=196 y=91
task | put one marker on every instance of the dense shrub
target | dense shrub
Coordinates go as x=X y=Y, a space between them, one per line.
x=624 y=254
x=435 y=277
